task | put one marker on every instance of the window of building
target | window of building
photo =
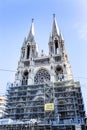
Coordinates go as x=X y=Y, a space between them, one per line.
x=28 y=51
x=56 y=47
x=25 y=78
x=42 y=76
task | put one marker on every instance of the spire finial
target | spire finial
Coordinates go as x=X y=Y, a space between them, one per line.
x=55 y=29
x=54 y=15
x=32 y=20
x=31 y=32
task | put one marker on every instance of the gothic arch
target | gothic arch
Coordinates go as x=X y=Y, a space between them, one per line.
x=42 y=75
x=58 y=70
x=25 y=77
x=61 y=101
x=59 y=73
x=56 y=43
x=28 y=50
x=40 y=98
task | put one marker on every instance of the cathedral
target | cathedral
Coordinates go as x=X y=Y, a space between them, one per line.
x=44 y=95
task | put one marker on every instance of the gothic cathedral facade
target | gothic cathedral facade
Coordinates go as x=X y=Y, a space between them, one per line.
x=43 y=80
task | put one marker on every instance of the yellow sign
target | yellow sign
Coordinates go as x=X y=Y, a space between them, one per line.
x=49 y=107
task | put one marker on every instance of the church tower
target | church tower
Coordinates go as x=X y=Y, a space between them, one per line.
x=44 y=95
x=54 y=67
x=29 y=51
x=62 y=68
x=29 y=48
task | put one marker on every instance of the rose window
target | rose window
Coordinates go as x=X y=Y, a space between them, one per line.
x=42 y=76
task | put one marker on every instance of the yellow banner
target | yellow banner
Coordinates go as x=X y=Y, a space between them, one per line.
x=49 y=107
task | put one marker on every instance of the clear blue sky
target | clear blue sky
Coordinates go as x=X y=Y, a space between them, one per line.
x=15 y=21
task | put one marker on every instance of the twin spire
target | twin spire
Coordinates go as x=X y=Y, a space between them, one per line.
x=55 y=30
x=31 y=33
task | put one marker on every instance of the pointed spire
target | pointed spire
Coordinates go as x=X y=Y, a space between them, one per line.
x=31 y=33
x=55 y=29
x=50 y=38
x=61 y=36
x=24 y=42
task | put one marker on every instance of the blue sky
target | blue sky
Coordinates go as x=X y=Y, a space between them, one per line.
x=15 y=21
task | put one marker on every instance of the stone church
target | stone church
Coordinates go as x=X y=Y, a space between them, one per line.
x=44 y=95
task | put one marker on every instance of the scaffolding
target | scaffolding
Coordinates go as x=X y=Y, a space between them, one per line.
x=44 y=81
x=26 y=103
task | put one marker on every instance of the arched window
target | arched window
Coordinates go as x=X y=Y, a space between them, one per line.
x=25 y=78
x=59 y=70
x=56 y=47
x=23 y=53
x=59 y=73
x=42 y=76
x=51 y=49
x=28 y=51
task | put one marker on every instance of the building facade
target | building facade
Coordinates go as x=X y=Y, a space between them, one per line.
x=2 y=106
x=44 y=93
